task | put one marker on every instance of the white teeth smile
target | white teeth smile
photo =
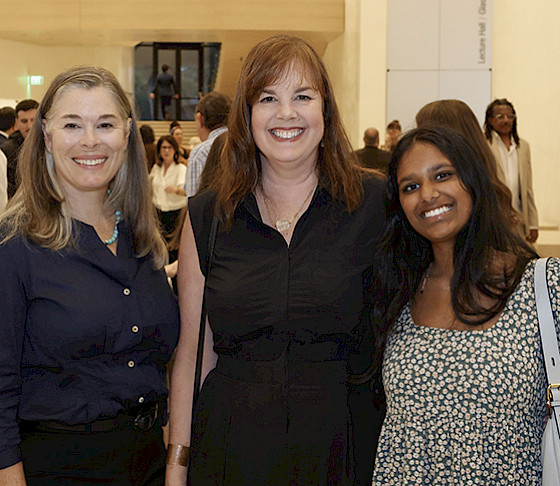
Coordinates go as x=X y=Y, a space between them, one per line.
x=437 y=211
x=90 y=162
x=287 y=134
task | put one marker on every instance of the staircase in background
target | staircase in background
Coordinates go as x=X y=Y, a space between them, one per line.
x=162 y=128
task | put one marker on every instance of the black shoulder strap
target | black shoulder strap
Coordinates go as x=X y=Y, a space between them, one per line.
x=201 y=332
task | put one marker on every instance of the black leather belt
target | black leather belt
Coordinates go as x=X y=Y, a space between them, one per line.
x=141 y=418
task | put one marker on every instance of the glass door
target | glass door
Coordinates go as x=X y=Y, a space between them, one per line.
x=183 y=63
x=166 y=88
x=191 y=89
x=190 y=71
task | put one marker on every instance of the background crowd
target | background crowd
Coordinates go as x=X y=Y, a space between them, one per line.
x=335 y=299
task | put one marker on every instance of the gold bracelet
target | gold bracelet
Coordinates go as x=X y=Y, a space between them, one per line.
x=177 y=454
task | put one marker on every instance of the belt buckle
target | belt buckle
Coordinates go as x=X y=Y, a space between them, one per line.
x=145 y=421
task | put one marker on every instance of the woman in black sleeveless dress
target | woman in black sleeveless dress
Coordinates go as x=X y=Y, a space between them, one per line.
x=298 y=220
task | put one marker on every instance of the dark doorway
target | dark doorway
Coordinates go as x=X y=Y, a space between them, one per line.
x=193 y=66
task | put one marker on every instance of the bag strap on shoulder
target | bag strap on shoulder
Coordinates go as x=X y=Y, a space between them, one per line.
x=549 y=338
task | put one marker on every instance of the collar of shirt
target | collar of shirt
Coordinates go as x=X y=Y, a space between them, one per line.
x=214 y=133
x=502 y=145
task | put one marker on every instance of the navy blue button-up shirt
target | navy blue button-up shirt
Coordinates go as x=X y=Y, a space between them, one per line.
x=84 y=334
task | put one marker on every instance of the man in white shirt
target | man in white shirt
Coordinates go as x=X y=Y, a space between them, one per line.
x=514 y=154
x=211 y=117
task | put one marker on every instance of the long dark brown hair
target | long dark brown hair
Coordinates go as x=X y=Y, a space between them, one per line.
x=458 y=115
x=404 y=255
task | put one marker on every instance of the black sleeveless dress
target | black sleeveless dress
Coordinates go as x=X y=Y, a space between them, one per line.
x=284 y=318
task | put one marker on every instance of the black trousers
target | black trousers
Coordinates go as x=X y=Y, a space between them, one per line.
x=165 y=106
x=124 y=456
x=168 y=220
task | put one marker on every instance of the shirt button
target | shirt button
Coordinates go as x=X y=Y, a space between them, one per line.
x=141 y=400
x=131 y=364
x=135 y=329
x=126 y=291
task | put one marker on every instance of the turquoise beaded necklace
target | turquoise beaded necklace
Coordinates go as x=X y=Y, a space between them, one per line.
x=115 y=235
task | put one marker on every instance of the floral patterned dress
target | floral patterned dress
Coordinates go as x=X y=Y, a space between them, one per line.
x=467 y=407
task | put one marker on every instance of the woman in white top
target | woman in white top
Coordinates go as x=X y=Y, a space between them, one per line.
x=168 y=180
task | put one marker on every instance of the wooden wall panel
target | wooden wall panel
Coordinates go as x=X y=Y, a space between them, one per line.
x=237 y=24
x=98 y=22
x=25 y=17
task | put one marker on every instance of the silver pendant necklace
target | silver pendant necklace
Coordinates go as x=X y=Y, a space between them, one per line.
x=283 y=225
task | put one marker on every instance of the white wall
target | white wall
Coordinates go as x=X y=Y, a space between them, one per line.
x=342 y=59
x=20 y=60
x=525 y=47
x=356 y=62
x=437 y=49
x=373 y=68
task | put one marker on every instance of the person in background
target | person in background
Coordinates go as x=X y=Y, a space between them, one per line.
x=7 y=123
x=149 y=139
x=458 y=116
x=165 y=90
x=298 y=220
x=514 y=155
x=371 y=156
x=463 y=335
x=193 y=142
x=213 y=167
x=88 y=320
x=168 y=179
x=209 y=176
x=177 y=133
x=7 y=127
x=392 y=135
x=26 y=111
x=211 y=118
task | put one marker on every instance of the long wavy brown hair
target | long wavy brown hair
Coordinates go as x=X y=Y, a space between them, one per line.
x=267 y=63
